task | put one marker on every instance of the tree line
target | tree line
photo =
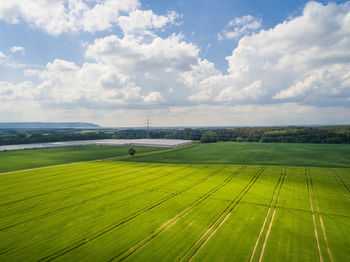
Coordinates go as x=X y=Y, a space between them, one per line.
x=290 y=134
x=15 y=137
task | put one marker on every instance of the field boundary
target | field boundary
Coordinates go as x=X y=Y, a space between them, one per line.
x=237 y=164
x=104 y=159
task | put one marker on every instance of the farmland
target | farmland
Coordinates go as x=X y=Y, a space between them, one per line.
x=135 y=211
x=281 y=154
x=33 y=158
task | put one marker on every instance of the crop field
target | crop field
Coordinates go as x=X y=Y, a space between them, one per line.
x=136 y=211
x=33 y=158
x=281 y=154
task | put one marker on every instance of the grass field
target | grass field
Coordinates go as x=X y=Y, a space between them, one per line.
x=116 y=211
x=281 y=154
x=33 y=158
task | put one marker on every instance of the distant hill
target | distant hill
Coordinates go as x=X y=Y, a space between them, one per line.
x=28 y=125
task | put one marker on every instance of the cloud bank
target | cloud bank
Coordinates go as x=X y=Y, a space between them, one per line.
x=303 y=62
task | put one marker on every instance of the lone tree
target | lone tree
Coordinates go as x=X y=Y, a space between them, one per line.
x=209 y=137
x=131 y=151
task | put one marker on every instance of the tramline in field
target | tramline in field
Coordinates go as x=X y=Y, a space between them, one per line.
x=121 y=211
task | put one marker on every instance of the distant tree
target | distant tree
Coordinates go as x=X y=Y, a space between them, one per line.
x=131 y=151
x=209 y=137
x=240 y=139
x=170 y=135
x=187 y=133
x=21 y=137
x=334 y=140
x=195 y=134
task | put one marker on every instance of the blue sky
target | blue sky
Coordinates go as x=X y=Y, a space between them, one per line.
x=117 y=62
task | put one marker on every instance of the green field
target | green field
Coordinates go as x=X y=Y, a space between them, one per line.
x=281 y=154
x=146 y=211
x=33 y=158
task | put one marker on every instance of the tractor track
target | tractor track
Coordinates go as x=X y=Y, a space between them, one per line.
x=142 y=243
x=320 y=217
x=273 y=203
x=313 y=216
x=206 y=236
x=80 y=203
x=49 y=176
x=36 y=205
x=74 y=186
x=273 y=217
x=128 y=199
x=342 y=185
x=117 y=224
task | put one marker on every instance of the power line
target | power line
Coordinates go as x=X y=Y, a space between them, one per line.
x=148 y=126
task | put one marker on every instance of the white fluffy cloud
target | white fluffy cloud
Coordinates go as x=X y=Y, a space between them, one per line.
x=131 y=55
x=253 y=91
x=155 y=64
x=301 y=64
x=330 y=84
x=304 y=60
x=11 y=92
x=17 y=49
x=240 y=26
x=136 y=70
x=58 y=16
x=93 y=85
x=140 y=21
x=154 y=97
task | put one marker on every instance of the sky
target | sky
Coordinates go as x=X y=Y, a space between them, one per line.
x=177 y=62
